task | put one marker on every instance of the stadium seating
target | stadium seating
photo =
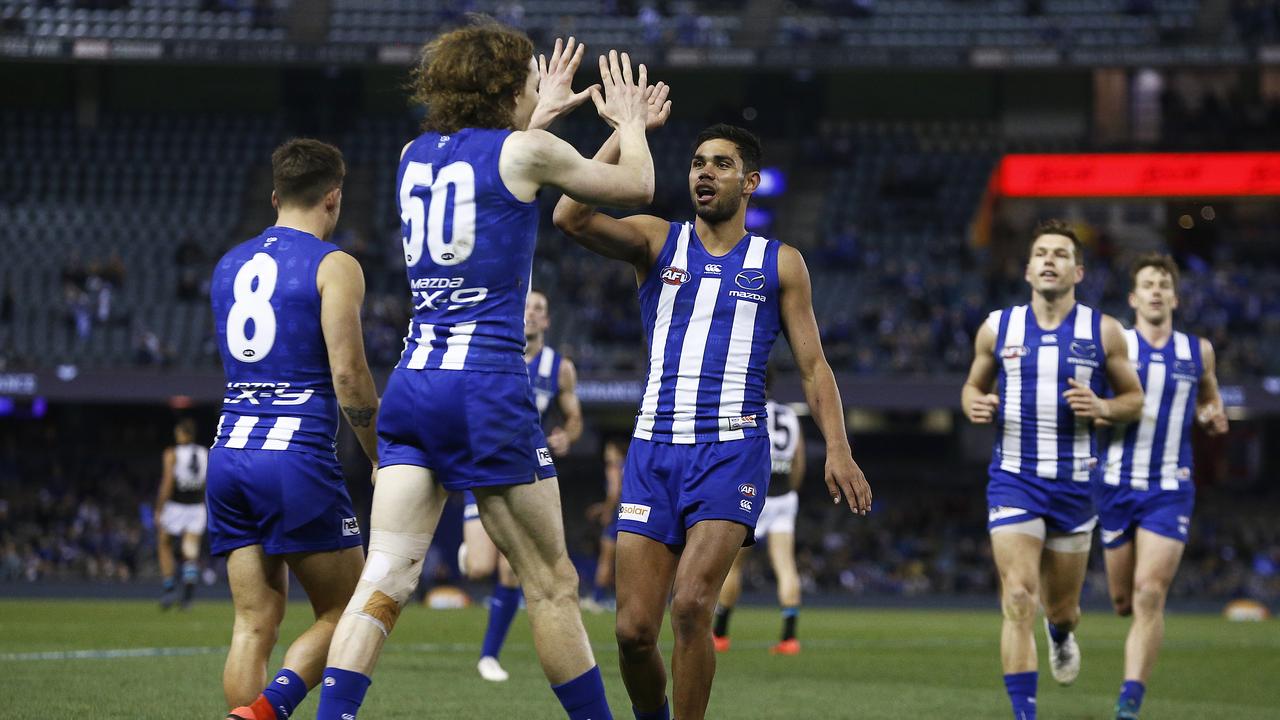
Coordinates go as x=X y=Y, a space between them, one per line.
x=153 y=19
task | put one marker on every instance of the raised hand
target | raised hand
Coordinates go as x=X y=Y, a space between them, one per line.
x=556 y=97
x=659 y=107
x=983 y=408
x=845 y=480
x=621 y=101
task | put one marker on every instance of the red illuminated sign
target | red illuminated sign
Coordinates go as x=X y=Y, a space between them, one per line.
x=1139 y=175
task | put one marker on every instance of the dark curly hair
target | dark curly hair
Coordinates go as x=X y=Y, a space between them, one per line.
x=469 y=77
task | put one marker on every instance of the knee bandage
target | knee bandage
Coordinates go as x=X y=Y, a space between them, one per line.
x=1069 y=542
x=389 y=578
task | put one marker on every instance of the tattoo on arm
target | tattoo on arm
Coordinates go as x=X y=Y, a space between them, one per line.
x=359 y=416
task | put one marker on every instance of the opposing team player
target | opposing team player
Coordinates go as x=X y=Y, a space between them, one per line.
x=1145 y=493
x=286 y=306
x=777 y=525
x=458 y=411
x=1052 y=358
x=180 y=512
x=713 y=298
x=554 y=379
x=605 y=513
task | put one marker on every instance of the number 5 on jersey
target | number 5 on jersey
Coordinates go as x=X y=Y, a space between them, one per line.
x=253 y=287
x=428 y=223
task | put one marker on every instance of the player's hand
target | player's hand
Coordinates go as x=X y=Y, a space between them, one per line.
x=1212 y=418
x=558 y=442
x=1084 y=402
x=845 y=480
x=621 y=100
x=1100 y=423
x=373 y=475
x=983 y=408
x=556 y=97
x=659 y=105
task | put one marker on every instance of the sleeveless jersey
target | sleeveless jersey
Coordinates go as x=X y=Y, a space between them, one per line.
x=1037 y=435
x=468 y=248
x=544 y=376
x=784 y=437
x=1157 y=448
x=189 y=463
x=266 y=311
x=711 y=323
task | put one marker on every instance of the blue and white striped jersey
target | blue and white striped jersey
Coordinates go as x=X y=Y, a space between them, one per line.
x=544 y=376
x=266 y=311
x=1157 y=448
x=468 y=249
x=711 y=323
x=1036 y=432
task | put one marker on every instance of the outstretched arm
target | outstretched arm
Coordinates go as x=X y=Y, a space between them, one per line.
x=1209 y=410
x=843 y=476
x=341 y=285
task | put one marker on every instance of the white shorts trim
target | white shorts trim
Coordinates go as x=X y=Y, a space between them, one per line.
x=778 y=515
x=183 y=518
x=1073 y=542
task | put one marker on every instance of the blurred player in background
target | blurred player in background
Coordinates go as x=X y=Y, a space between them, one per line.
x=286 y=306
x=777 y=525
x=606 y=514
x=459 y=412
x=713 y=299
x=554 y=379
x=180 y=512
x=1145 y=493
x=1052 y=359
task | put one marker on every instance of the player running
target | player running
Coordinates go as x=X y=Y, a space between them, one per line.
x=1052 y=358
x=553 y=378
x=1145 y=493
x=778 y=524
x=180 y=512
x=458 y=411
x=605 y=514
x=713 y=298
x=286 y=306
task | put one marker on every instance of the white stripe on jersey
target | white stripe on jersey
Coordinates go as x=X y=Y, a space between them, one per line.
x=279 y=435
x=1046 y=420
x=1011 y=443
x=1147 y=426
x=1084 y=374
x=545 y=360
x=689 y=375
x=239 y=436
x=1115 y=453
x=1177 y=414
x=426 y=335
x=455 y=354
x=658 y=344
x=733 y=387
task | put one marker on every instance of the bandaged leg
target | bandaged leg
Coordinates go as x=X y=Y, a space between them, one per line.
x=390 y=576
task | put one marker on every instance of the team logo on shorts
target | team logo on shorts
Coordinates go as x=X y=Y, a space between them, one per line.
x=632 y=511
x=674 y=275
x=330 y=682
x=1000 y=512
x=745 y=505
x=544 y=456
x=747 y=489
x=750 y=280
x=350 y=527
x=1010 y=352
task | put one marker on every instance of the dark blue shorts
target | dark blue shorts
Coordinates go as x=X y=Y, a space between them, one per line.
x=667 y=488
x=285 y=501
x=472 y=429
x=1065 y=505
x=1122 y=510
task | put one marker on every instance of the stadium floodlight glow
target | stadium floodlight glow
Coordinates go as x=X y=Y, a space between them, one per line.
x=759 y=219
x=772 y=183
x=1139 y=175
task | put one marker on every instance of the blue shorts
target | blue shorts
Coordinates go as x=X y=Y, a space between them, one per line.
x=1065 y=505
x=472 y=429
x=1122 y=510
x=666 y=488
x=285 y=501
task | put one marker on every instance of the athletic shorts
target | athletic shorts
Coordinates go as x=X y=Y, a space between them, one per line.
x=667 y=488
x=472 y=429
x=1122 y=510
x=470 y=508
x=183 y=518
x=1065 y=505
x=285 y=501
x=779 y=515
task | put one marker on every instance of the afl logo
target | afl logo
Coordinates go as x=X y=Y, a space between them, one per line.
x=747 y=489
x=1014 y=351
x=750 y=280
x=674 y=275
x=247 y=352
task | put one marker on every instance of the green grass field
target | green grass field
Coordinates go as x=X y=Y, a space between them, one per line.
x=57 y=660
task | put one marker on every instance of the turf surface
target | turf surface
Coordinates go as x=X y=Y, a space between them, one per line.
x=122 y=659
